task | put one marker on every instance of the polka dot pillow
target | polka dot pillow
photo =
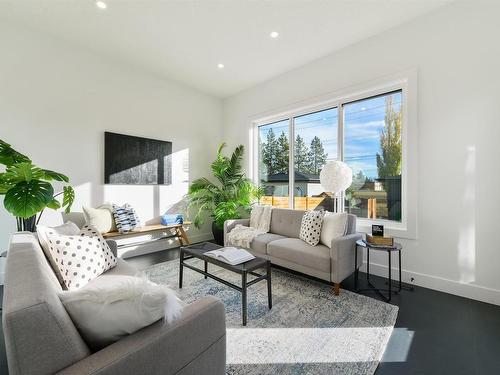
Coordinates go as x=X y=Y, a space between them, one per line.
x=80 y=258
x=310 y=227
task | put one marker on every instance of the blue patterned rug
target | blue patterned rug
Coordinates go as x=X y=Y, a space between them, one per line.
x=308 y=330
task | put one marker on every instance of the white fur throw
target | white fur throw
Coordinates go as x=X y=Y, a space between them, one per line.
x=113 y=306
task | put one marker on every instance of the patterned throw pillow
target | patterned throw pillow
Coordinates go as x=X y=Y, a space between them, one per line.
x=80 y=258
x=310 y=227
x=126 y=218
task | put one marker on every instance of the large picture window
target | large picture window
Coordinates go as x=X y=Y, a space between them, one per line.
x=365 y=133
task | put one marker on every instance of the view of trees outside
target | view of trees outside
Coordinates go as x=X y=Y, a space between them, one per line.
x=373 y=149
x=315 y=140
x=273 y=159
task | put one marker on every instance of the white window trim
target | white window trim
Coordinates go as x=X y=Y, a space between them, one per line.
x=405 y=81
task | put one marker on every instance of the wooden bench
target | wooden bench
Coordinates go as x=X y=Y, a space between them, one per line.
x=176 y=231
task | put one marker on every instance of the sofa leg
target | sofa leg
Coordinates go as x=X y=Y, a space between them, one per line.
x=336 y=288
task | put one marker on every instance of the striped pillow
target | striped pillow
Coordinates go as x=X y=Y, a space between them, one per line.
x=126 y=218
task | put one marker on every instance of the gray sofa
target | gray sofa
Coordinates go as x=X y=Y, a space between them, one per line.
x=283 y=247
x=40 y=337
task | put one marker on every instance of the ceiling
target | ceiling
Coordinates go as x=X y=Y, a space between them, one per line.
x=185 y=40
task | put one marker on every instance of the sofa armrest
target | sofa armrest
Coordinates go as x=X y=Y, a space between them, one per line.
x=230 y=224
x=195 y=343
x=113 y=246
x=342 y=256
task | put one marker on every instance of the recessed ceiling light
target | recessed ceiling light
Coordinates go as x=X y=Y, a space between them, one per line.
x=220 y=66
x=101 y=4
x=274 y=34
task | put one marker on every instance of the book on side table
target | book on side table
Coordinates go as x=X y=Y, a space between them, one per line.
x=230 y=255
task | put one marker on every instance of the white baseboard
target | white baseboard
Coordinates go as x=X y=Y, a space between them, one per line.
x=475 y=292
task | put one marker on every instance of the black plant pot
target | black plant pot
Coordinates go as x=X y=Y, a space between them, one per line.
x=28 y=224
x=218 y=234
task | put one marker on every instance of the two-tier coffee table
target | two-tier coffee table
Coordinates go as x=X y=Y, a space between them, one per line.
x=197 y=251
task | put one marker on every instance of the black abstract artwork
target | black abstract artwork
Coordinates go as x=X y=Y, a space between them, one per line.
x=130 y=160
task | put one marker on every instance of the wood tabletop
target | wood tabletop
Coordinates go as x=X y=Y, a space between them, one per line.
x=145 y=229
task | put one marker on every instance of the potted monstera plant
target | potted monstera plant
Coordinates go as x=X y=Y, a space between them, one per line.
x=28 y=190
x=229 y=196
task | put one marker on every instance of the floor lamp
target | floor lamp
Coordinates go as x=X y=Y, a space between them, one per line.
x=335 y=177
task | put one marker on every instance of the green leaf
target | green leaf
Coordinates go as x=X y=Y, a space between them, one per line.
x=9 y=156
x=51 y=175
x=4 y=184
x=27 y=198
x=54 y=204
x=68 y=198
x=22 y=172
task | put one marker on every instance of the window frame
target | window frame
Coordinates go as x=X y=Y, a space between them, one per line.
x=407 y=83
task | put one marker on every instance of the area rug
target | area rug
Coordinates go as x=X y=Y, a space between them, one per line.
x=308 y=331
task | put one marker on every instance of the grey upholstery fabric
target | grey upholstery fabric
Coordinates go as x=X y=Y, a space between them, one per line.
x=76 y=217
x=39 y=334
x=342 y=255
x=301 y=268
x=286 y=222
x=297 y=251
x=40 y=337
x=351 y=224
x=259 y=243
x=166 y=349
x=333 y=264
x=113 y=246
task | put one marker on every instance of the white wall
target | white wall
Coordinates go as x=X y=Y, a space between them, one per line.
x=56 y=101
x=457 y=56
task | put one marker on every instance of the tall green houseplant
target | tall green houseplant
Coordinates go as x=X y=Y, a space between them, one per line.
x=229 y=196
x=27 y=189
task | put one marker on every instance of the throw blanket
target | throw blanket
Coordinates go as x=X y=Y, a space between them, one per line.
x=260 y=221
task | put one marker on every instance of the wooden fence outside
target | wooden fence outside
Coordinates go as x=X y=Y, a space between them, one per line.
x=301 y=203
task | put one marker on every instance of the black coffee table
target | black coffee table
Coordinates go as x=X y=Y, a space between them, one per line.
x=197 y=251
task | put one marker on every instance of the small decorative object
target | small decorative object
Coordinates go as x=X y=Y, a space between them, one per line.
x=335 y=177
x=378 y=230
x=172 y=219
x=379 y=241
x=28 y=189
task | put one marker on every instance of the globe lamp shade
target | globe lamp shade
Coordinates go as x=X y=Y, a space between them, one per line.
x=335 y=177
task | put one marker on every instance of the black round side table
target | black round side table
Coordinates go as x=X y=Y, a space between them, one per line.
x=389 y=249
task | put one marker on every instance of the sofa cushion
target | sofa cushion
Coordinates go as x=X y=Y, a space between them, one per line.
x=116 y=306
x=69 y=228
x=286 y=222
x=310 y=228
x=259 y=243
x=297 y=251
x=101 y=217
x=334 y=226
x=80 y=258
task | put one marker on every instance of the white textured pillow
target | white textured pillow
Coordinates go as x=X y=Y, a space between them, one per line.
x=68 y=228
x=114 y=306
x=81 y=257
x=310 y=227
x=101 y=218
x=334 y=226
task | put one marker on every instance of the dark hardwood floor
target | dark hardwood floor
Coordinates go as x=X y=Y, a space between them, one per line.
x=435 y=333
